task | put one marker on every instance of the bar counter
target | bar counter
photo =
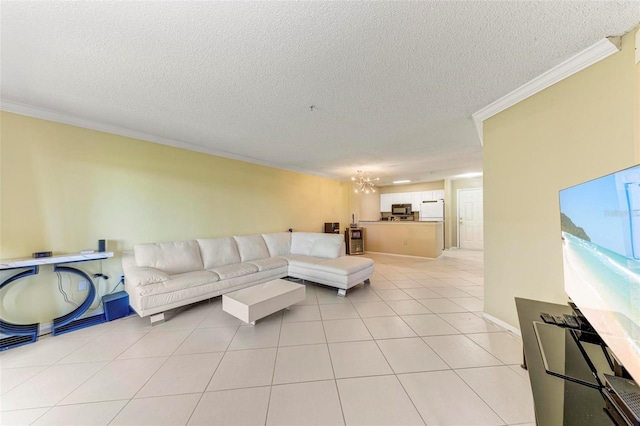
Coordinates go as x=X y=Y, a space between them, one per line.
x=408 y=238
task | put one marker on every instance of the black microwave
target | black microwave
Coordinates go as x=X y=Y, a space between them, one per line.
x=401 y=209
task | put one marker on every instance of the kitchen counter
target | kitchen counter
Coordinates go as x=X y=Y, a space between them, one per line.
x=409 y=238
x=399 y=222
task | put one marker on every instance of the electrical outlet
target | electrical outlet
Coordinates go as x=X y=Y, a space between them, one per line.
x=82 y=285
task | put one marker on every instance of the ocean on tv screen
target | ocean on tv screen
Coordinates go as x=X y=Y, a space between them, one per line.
x=600 y=222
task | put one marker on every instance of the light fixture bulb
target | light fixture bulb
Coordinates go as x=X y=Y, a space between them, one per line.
x=364 y=182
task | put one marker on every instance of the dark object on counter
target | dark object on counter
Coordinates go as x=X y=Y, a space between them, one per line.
x=40 y=254
x=332 y=228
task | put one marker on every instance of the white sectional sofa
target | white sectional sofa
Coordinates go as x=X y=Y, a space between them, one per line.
x=163 y=276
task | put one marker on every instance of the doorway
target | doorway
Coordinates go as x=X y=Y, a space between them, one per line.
x=470 y=219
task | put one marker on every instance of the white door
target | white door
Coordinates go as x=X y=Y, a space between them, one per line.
x=470 y=220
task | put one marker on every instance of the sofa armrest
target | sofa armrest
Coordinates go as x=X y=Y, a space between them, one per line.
x=135 y=275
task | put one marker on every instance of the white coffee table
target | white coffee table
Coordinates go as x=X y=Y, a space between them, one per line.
x=255 y=302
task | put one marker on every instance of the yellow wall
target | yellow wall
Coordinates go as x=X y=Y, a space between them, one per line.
x=62 y=188
x=580 y=128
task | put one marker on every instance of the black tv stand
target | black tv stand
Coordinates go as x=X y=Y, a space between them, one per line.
x=577 y=390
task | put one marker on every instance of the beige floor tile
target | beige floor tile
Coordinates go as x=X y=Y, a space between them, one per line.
x=472 y=304
x=442 y=398
x=458 y=351
x=382 y=285
x=356 y=359
x=21 y=417
x=346 y=330
x=467 y=322
x=203 y=340
x=261 y=335
x=219 y=318
x=95 y=413
x=242 y=369
x=329 y=296
x=302 y=364
x=298 y=313
x=429 y=325
x=422 y=293
x=156 y=344
x=388 y=327
x=311 y=403
x=237 y=407
x=393 y=294
x=373 y=309
x=186 y=318
x=362 y=293
x=404 y=284
x=48 y=350
x=506 y=392
x=338 y=311
x=475 y=291
x=407 y=307
x=441 y=306
x=49 y=386
x=106 y=348
x=302 y=333
x=12 y=377
x=410 y=355
x=158 y=411
x=379 y=400
x=120 y=379
x=504 y=346
x=182 y=374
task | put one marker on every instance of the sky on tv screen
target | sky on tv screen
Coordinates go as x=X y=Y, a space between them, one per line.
x=601 y=208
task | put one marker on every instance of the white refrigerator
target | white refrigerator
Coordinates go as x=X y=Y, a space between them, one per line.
x=432 y=211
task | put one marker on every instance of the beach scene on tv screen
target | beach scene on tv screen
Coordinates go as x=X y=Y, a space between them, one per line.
x=600 y=222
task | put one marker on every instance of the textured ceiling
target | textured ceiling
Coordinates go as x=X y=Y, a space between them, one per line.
x=392 y=84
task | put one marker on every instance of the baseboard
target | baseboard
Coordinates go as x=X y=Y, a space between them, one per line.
x=502 y=324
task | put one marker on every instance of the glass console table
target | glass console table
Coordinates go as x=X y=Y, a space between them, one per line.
x=13 y=335
x=551 y=352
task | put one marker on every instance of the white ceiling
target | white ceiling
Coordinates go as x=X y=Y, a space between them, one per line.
x=392 y=84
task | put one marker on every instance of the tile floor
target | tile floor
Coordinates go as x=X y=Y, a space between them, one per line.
x=410 y=349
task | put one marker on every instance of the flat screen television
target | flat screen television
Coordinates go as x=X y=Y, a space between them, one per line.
x=600 y=222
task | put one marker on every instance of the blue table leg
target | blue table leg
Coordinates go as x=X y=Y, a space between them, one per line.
x=18 y=334
x=72 y=320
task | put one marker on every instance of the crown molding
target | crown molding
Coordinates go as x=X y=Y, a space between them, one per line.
x=49 y=115
x=589 y=56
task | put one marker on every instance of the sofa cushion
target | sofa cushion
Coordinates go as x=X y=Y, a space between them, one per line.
x=180 y=282
x=251 y=247
x=314 y=244
x=218 y=252
x=269 y=263
x=345 y=265
x=174 y=257
x=278 y=243
x=144 y=276
x=327 y=247
x=235 y=270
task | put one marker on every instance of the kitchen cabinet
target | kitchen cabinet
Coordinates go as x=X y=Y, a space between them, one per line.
x=416 y=201
x=414 y=198
x=401 y=198
x=426 y=195
x=385 y=202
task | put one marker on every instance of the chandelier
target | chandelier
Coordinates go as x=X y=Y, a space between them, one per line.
x=364 y=182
